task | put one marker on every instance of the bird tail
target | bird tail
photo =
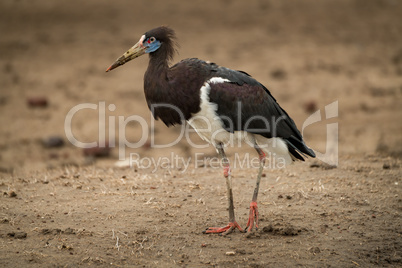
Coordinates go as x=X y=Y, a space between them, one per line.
x=298 y=148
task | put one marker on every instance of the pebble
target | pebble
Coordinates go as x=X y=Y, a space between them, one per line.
x=230 y=253
x=279 y=74
x=18 y=235
x=37 y=102
x=97 y=151
x=52 y=142
x=315 y=250
x=12 y=193
x=386 y=166
x=310 y=106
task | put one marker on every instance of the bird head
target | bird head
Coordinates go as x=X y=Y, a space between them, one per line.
x=149 y=42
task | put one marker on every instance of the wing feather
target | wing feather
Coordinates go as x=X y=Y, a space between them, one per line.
x=252 y=108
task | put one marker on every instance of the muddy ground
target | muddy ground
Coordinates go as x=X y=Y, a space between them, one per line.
x=62 y=207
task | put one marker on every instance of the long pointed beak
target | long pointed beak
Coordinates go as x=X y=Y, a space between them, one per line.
x=134 y=52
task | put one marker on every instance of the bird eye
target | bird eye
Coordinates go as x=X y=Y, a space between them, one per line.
x=151 y=39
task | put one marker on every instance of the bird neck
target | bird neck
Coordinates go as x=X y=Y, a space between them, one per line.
x=161 y=55
x=156 y=74
x=157 y=65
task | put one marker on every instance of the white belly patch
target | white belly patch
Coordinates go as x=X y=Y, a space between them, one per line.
x=211 y=128
x=207 y=123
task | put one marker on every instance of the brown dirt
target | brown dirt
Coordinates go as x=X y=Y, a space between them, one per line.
x=60 y=208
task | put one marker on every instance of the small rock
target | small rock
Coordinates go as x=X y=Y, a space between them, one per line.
x=285 y=231
x=97 y=151
x=268 y=229
x=52 y=142
x=322 y=165
x=310 y=106
x=289 y=231
x=12 y=193
x=278 y=74
x=386 y=166
x=315 y=250
x=69 y=231
x=230 y=253
x=184 y=256
x=35 y=102
x=18 y=235
x=64 y=246
x=45 y=231
x=50 y=231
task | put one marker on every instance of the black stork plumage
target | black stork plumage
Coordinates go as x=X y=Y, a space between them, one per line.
x=220 y=104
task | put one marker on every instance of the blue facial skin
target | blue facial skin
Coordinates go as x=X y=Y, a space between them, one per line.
x=151 y=47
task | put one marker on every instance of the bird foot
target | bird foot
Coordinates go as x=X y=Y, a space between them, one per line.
x=224 y=230
x=253 y=217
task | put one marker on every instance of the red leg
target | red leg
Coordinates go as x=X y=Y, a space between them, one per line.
x=262 y=156
x=226 y=171
x=232 y=225
x=253 y=217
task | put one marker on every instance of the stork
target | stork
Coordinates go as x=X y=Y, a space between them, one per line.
x=221 y=104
